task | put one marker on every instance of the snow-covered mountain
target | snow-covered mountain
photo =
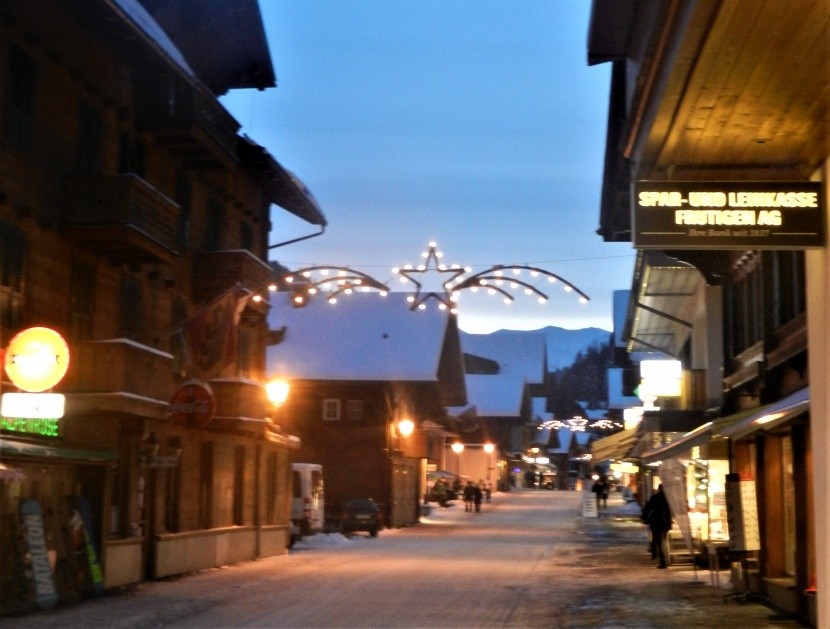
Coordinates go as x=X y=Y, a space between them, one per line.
x=563 y=345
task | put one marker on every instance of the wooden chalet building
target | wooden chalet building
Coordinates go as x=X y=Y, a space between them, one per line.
x=134 y=221
x=357 y=370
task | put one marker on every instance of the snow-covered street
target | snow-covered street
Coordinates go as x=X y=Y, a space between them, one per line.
x=529 y=559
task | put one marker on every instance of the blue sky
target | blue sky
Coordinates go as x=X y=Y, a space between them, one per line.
x=477 y=125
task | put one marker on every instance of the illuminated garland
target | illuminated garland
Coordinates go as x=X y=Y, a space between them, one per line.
x=499 y=279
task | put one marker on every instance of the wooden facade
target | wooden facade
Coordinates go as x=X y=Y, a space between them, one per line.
x=128 y=205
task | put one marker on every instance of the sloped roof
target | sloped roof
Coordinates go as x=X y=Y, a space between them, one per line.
x=364 y=337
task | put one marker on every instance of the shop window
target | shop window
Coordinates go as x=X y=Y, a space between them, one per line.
x=239 y=485
x=19 y=114
x=331 y=409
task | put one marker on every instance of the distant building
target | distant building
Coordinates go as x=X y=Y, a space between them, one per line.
x=359 y=369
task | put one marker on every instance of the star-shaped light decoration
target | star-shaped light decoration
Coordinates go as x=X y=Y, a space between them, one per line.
x=432 y=279
x=429 y=271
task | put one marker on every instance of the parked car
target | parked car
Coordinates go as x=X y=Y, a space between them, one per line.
x=361 y=514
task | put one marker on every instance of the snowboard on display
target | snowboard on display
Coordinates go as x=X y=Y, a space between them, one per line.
x=31 y=518
x=81 y=541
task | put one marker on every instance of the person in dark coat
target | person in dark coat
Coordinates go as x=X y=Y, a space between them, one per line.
x=477 y=496
x=469 y=494
x=657 y=515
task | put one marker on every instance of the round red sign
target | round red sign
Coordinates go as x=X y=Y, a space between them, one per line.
x=193 y=404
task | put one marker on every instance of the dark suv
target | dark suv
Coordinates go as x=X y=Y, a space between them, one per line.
x=361 y=514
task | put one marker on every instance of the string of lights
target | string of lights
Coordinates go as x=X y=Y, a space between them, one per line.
x=433 y=280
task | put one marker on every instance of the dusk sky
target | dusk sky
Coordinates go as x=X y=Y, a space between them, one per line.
x=475 y=124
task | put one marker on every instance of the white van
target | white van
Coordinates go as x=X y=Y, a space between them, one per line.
x=308 y=505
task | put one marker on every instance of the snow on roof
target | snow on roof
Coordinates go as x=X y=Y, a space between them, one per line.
x=496 y=396
x=517 y=353
x=145 y=22
x=362 y=337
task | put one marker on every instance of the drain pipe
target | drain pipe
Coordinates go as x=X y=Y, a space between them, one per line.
x=301 y=238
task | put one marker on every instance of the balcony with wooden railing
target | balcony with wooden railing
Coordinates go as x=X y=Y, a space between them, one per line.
x=121 y=217
x=191 y=125
x=215 y=272
x=118 y=376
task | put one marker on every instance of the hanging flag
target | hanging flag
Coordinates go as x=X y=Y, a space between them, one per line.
x=210 y=335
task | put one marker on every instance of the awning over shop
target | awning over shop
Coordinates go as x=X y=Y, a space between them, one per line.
x=22 y=449
x=680 y=446
x=616 y=446
x=766 y=417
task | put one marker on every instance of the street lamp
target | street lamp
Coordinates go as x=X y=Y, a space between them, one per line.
x=458 y=448
x=488 y=448
x=406 y=427
x=277 y=391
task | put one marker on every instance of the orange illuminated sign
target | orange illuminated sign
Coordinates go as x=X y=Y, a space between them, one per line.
x=36 y=359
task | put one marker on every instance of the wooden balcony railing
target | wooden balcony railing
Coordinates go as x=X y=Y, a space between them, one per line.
x=121 y=217
x=118 y=375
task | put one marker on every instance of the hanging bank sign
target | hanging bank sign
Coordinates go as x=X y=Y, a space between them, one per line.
x=728 y=215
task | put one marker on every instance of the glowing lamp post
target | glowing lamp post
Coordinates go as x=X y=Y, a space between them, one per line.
x=458 y=448
x=277 y=391
x=406 y=427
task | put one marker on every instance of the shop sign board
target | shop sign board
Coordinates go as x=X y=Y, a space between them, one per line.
x=48 y=427
x=727 y=215
x=193 y=404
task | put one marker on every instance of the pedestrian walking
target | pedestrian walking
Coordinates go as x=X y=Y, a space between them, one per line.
x=657 y=515
x=598 y=489
x=469 y=495
x=605 y=490
x=477 y=495
x=488 y=491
